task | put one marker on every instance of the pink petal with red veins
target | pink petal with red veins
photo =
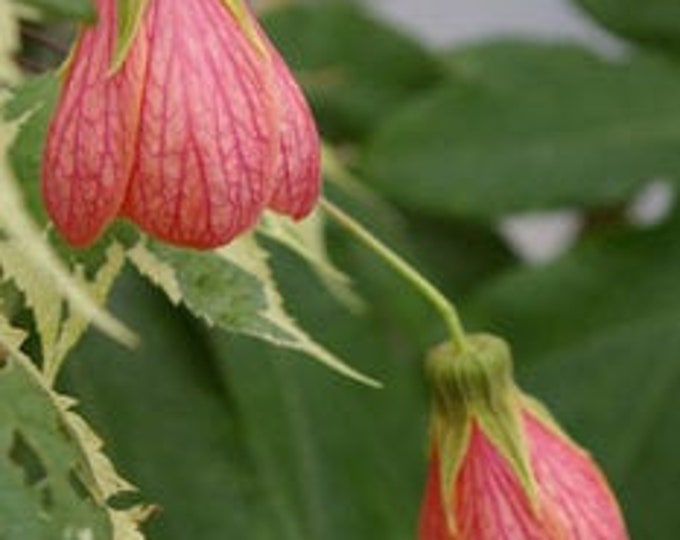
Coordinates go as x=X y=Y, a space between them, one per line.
x=433 y=525
x=574 y=500
x=573 y=490
x=89 y=148
x=490 y=501
x=298 y=172
x=206 y=147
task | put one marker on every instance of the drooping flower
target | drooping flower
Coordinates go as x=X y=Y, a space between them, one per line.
x=192 y=134
x=500 y=467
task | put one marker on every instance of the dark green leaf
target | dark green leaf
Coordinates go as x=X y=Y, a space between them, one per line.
x=234 y=289
x=355 y=69
x=236 y=440
x=623 y=278
x=526 y=127
x=221 y=292
x=651 y=22
x=69 y=9
x=170 y=423
x=32 y=104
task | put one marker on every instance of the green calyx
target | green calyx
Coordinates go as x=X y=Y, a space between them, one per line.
x=245 y=20
x=130 y=13
x=476 y=387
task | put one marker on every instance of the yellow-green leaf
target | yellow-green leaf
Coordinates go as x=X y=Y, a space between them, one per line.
x=51 y=462
x=307 y=239
x=130 y=13
x=9 y=40
x=233 y=288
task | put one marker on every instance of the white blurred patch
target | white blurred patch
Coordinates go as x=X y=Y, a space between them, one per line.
x=541 y=236
x=446 y=22
x=72 y=533
x=653 y=204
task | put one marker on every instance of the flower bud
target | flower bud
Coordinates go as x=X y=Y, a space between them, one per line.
x=196 y=130
x=500 y=466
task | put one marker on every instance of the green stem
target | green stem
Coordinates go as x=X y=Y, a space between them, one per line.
x=442 y=304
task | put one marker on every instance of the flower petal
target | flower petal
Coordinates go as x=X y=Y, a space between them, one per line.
x=298 y=171
x=207 y=144
x=491 y=503
x=573 y=490
x=433 y=517
x=89 y=150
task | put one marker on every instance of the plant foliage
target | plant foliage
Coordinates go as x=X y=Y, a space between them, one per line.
x=194 y=366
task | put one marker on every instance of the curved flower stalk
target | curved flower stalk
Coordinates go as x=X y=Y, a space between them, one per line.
x=191 y=134
x=501 y=468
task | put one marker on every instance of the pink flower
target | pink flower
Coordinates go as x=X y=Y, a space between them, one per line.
x=574 y=501
x=199 y=130
x=501 y=469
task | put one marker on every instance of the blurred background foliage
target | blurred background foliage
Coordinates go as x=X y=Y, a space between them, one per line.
x=234 y=439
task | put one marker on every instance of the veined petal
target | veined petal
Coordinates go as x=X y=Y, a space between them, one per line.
x=575 y=502
x=298 y=169
x=573 y=490
x=207 y=142
x=490 y=501
x=502 y=469
x=433 y=516
x=90 y=143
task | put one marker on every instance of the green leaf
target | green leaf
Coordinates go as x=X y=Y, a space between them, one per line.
x=624 y=278
x=67 y=9
x=234 y=289
x=31 y=105
x=307 y=239
x=355 y=69
x=235 y=439
x=170 y=423
x=33 y=94
x=527 y=127
x=130 y=13
x=9 y=42
x=596 y=336
x=652 y=22
x=44 y=301
x=39 y=468
x=74 y=324
x=55 y=482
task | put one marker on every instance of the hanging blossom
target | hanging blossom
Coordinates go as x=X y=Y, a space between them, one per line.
x=190 y=129
x=501 y=468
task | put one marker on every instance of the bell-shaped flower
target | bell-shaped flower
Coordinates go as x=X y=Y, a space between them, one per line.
x=501 y=468
x=190 y=127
